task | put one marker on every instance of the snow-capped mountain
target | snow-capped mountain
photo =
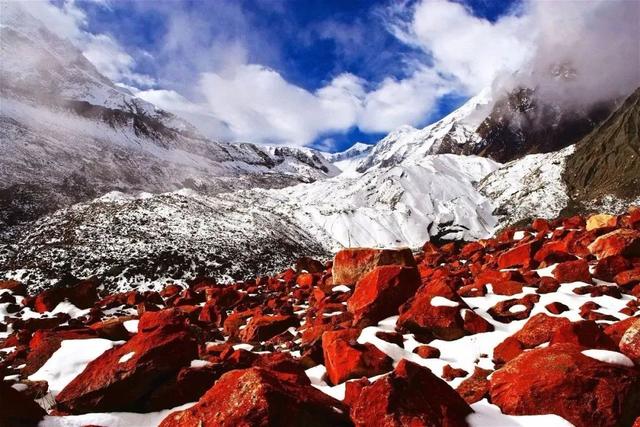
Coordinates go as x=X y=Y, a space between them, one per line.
x=125 y=239
x=347 y=161
x=455 y=133
x=69 y=134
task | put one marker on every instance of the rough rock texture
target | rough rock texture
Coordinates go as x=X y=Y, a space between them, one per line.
x=410 y=396
x=561 y=380
x=350 y=265
x=259 y=397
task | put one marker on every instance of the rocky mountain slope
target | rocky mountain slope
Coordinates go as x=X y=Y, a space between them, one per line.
x=600 y=172
x=68 y=134
x=538 y=326
x=128 y=240
x=454 y=134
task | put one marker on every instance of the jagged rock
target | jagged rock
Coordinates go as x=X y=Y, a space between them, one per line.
x=618 y=242
x=410 y=395
x=561 y=380
x=381 y=292
x=350 y=265
x=630 y=342
x=258 y=396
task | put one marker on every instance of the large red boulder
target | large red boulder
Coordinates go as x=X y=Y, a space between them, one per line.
x=379 y=293
x=260 y=397
x=46 y=342
x=584 y=333
x=123 y=378
x=16 y=409
x=435 y=309
x=83 y=295
x=607 y=268
x=261 y=328
x=350 y=265
x=561 y=380
x=345 y=359
x=630 y=342
x=572 y=271
x=623 y=241
x=519 y=256
x=539 y=329
x=409 y=396
x=476 y=387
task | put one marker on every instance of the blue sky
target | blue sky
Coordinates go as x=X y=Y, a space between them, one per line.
x=319 y=58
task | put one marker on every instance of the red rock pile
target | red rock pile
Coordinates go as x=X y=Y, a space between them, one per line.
x=259 y=352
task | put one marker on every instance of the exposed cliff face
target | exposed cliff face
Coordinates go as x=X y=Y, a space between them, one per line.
x=607 y=162
x=521 y=124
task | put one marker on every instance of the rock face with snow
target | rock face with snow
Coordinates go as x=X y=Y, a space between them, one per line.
x=68 y=134
x=454 y=134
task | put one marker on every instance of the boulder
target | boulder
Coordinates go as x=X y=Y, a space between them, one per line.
x=584 y=333
x=261 y=328
x=83 y=295
x=435 y=309
x=123 y=378
x=519 y=256
x=630 y=342
x=476 y=387
x=607 y=268
x=345 y=359
x=381 y=292
x=44 y=343
x=16 y=409
x=350 y=265
x=260 y=397
x=411 y=395
x=622 y=241
x=572 y=271
x=599 y=221
x=561 y=380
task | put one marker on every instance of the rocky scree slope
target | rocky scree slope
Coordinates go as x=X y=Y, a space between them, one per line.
x=537 y=326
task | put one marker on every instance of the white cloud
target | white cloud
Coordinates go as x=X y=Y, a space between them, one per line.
x=69 y=21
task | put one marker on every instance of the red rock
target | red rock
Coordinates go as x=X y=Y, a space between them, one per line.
x=628 y=278
x=309 y=265
x=475 y=324
x=476 y=387
x=14 y=286
x=574 y=222
x=392 y=337
x=510 y=310
x=399 y=399
x=585 y=333
x=427 y=352
x=539 y=329
x=170 y=318
x=470 y=248
x=507 y=287
x=508 y=349
x=472 y=290
x=345 y=359
x=450 y=373
x=616 y=330
x=519 y=256
x=572 y=271
x=262 y=328
x=306 y=280
x=540 y=225
x=623 y=241
x=260 y=397
x=379 y=293
x=561 y=380
x=353 y=389
x=113 y=382
x=607 y=268
x=556 y=307
x=111 y=329
x=630 y=342
x=350 y=265
x=547 y=285
x=82 y=295
x=44 y=343
x=419 y=316
x=16 y=409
